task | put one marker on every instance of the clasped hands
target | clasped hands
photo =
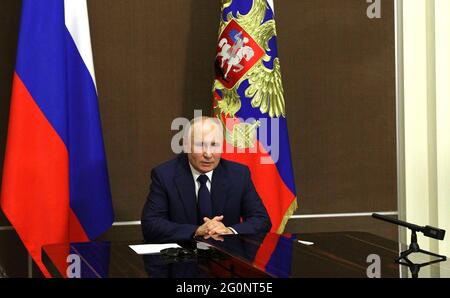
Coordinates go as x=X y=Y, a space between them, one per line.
x=213 y=228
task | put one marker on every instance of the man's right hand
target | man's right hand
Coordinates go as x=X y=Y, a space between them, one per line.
x=214 y=226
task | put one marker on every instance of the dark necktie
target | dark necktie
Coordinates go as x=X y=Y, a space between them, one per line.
x=204 y=199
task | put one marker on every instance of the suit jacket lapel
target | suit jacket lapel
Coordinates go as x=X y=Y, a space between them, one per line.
x=186 y=189
x=219 y=189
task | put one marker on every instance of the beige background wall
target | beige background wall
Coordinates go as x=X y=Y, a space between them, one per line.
x=425 y=195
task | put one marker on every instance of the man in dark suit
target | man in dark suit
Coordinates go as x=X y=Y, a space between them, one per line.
x=200 y=194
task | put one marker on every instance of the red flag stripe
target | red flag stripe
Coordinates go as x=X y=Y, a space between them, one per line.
x=35 y=174
x=264 y=177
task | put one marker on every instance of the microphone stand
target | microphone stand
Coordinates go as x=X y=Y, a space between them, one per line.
x=413 y=246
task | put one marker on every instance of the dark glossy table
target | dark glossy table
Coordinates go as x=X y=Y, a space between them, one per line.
x=342 y=254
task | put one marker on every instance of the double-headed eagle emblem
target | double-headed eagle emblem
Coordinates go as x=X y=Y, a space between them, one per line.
x=242 y=54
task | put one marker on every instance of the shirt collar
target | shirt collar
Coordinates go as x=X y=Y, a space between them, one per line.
x=196 y=173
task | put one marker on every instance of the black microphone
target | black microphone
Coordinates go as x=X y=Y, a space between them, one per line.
x=428 y=231
x=433 y=232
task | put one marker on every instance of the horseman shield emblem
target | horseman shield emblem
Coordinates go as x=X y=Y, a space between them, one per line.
x=237 y=52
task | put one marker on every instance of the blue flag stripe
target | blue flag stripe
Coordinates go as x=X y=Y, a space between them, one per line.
x=41 y=59
x=90 y=196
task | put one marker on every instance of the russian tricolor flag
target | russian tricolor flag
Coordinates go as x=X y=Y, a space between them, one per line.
x=55 y=186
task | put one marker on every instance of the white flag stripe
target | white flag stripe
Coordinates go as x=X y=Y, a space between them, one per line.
x=77 y=22
x=271 y=5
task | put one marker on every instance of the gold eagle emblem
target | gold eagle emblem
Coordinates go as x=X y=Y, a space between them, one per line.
x=265 y=86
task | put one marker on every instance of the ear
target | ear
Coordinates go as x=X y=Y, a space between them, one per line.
x=186 y=146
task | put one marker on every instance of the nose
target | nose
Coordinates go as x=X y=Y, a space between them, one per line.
x=207 y=153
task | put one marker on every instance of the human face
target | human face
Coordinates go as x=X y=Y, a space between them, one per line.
x=206 y=145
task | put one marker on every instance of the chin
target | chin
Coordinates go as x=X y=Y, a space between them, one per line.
x=207 y=168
